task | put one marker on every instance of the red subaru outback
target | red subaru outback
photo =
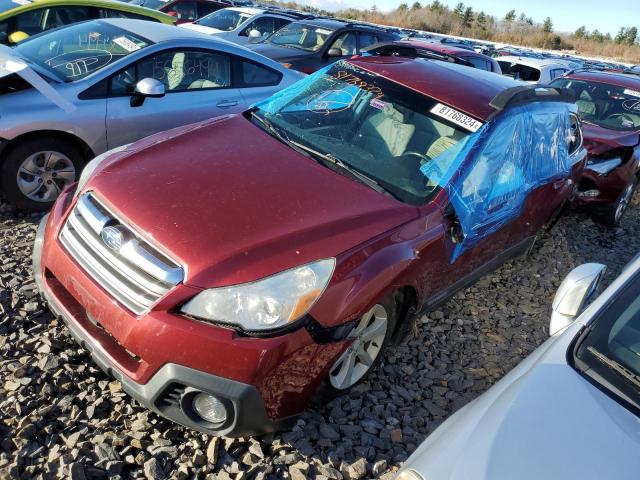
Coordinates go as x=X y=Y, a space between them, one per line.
x=229 y=271
x=609 y=106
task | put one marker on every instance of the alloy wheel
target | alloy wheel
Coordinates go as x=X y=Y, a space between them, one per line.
x=623 y=202
x=355 y=362
x=43 y=175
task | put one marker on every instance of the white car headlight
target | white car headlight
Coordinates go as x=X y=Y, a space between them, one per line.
x=266 y=304
x=90 y=167
x=409 y=475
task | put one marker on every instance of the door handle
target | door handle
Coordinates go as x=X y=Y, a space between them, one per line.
x=226 y=103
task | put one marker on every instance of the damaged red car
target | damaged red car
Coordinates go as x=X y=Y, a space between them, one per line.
x=269 y=258
x=609 y=107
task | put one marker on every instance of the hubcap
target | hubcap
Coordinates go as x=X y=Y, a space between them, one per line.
x=624 y=201
x=356 y=360
x=43 y=175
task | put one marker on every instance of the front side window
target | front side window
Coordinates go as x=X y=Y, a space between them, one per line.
x=480 y=63
x=372 y=125
x=609 y=354
x=110 y=13
x=224 y=20
x=346 y=43
x=368 y=39
x=79 y=50
x=263 y=25
x=184 y=10
x=557 y=72
x=30 y=22
x=608 y=106
x=301 y=36
x=178 y=70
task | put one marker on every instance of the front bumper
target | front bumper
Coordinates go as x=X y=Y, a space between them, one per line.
x=603 y=189
x=162 y=358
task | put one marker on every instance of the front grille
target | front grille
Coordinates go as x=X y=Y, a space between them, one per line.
x=136 y=274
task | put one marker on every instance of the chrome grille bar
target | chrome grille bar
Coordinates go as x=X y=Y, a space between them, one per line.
x=136 y=274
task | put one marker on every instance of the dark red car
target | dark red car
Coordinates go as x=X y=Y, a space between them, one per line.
x=186 y=10
x=609 y=106
x=270 y=257
x=424 y=49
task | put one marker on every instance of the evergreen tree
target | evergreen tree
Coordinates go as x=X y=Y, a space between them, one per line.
x=547 y=25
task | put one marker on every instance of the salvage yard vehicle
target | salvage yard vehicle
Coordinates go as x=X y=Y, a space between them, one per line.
x=23 y=18
x=570 y=410
x=609 y=106
x=298 y=240
x=532 y=70
x=73 y=93
x=448 y=53
x=242 y=25
x=190 y=10
x=311 y=44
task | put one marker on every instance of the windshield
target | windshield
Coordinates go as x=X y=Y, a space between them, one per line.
x=610 y=352
x=225 y=20
x=153 y=4
x=76 y=51
x=302 y=36
x=370 y=124
x=6 y=5
x=607 y=106
x=519 y=71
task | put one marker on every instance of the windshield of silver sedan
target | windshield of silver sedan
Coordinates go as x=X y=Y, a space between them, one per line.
x=350 y=119
x=76 y=51
x=609 y=353
x=608 y=106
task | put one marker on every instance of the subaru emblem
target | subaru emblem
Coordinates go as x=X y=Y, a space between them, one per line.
x=113 y=237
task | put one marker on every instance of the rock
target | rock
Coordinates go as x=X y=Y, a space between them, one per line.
x=357 y=469
x=396 y=435
x=153 y=469
x=212 y=451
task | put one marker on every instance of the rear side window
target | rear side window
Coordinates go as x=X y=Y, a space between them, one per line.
x=205 y=8
x=480 y=63
x=368 y=39
x=520 y=72
x=557 y=72
x=184 y=10
x=110 y=13
x=254 y=75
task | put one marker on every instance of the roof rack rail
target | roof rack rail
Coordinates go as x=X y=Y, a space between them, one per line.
x=523 y=94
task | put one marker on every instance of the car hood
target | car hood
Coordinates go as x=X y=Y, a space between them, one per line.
x=278 y=53
x=233 y=205
x=598 y=140
x=542 y=420
x=12 y=64
x=200 y=28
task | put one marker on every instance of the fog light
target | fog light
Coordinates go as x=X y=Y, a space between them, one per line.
x=209 y=408
x=589 y=193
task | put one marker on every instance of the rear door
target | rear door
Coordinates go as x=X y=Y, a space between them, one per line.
x=198 y=85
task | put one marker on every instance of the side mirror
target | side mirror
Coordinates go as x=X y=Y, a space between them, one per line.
x=18 y=36
x=334 y=52
x=574 y=294
x=147 y=87
x=254 y=33
x=172 y=13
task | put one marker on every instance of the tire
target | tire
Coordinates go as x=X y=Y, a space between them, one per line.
x=35 y=171
x=332 y=386
x=610 y=215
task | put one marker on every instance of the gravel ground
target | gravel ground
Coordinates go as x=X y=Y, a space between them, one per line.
x=60 y=416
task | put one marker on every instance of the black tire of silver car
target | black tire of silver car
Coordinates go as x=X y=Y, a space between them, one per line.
x=611 y=214
x=373 y=333
x=35 y=171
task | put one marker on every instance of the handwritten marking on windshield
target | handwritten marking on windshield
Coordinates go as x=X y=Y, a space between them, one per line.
x=356 y=81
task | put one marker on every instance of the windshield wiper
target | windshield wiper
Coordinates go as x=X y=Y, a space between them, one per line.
x=327 y=157
x=277 y=134
x=615 y=366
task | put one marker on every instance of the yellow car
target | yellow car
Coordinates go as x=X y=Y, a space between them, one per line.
x=20 y=19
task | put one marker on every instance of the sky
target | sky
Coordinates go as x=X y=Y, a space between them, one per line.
x=567 y=15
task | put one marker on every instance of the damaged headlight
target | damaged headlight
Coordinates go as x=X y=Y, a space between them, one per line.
x=266 y=304
x=90 y=167
x=602 y=167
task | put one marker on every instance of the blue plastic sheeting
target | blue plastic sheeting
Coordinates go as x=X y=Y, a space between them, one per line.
x=489 y=174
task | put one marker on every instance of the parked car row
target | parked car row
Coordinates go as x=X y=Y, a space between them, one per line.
x=233 y=239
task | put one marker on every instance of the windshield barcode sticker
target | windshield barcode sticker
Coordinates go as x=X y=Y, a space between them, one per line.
x=454 y=116
x=127 y=44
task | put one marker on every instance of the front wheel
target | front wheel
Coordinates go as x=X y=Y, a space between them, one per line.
x=371 y=335
x=35 y=171
x=610 y=215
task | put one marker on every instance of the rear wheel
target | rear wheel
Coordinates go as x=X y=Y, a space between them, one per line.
x=611 y=214
x=35 y=171
x=371 y=334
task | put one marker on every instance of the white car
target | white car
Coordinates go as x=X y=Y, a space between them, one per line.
x=532 y=70
x=569 y=411
x=243 y=25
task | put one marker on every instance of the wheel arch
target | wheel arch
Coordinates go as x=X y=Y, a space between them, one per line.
x=86 y=150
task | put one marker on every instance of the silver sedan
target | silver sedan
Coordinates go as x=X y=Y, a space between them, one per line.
x=76 y=92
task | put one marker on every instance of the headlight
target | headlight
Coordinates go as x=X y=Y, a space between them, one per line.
x=603 y=167
x=90 y=167
x=266 y=304
x=409 y=475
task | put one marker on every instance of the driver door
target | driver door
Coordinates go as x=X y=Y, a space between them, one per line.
x=197 y=87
